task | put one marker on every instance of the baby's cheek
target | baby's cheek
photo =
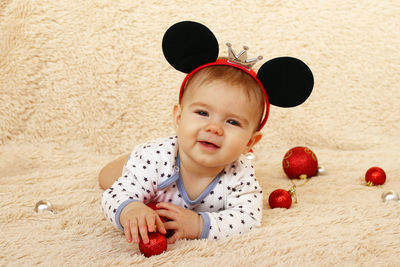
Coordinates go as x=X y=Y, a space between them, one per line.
x=237 y=147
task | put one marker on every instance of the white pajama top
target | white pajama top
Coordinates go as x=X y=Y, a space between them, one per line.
x=231 y=204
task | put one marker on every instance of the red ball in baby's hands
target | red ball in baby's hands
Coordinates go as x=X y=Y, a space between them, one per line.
x=157 y=245
x=157 y=241
x=375 y=176
x=300 y=162
x=152 y=205
x=280 y=199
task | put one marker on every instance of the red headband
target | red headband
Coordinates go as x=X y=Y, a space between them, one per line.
x=225 y=62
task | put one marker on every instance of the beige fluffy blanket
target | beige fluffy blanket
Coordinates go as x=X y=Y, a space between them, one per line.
x=82 y=82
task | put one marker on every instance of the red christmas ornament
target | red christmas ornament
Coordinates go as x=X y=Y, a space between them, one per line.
x=152 y=205
x=280 y=199
x=375 y=176
x=157 y=245
x=300 y=162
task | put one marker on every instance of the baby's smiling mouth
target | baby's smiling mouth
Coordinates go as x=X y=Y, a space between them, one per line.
x=208 y=144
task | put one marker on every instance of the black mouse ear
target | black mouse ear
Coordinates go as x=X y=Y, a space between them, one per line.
x=188 y=45
x=287 y=80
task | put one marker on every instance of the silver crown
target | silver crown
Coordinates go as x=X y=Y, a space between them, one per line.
x=241 y=58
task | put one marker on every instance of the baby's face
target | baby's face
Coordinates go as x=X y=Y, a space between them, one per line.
x=216 y=123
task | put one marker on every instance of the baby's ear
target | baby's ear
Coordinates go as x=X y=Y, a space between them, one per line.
x=176 y=114
x=255 y=138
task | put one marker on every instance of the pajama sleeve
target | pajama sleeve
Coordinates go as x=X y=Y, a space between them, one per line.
x=137 y=183
x=243 y=206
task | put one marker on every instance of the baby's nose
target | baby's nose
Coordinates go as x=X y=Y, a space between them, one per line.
x=214 y=128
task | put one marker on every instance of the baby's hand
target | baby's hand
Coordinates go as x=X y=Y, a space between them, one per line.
x=185 y=223
x=137 y=218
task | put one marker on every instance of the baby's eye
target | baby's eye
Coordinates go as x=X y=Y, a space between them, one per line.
x=202 y=112
x=234 y=122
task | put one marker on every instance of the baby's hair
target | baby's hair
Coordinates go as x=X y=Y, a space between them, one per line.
x=232 y=76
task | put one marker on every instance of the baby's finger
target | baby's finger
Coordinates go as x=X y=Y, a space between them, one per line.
x=151 y=222
x=143 y=230
x=166 y=214
x=160 y=226
x=127 y=232
x=171 y=225
x=134 y=231
x=174 y=238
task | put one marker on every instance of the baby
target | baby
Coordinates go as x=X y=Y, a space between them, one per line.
x=203 y=184
x=206 y=187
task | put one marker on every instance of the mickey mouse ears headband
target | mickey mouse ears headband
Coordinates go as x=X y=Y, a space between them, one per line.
x=190 y=46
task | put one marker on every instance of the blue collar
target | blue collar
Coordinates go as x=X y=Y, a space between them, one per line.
x=176 y=177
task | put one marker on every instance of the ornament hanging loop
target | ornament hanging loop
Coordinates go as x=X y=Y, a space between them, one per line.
x=292 y=192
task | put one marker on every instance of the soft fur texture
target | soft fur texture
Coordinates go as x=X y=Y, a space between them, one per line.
x=82 y=82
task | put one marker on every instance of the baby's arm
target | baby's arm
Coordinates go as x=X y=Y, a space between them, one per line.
x=243 y=208
x=137 y=184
